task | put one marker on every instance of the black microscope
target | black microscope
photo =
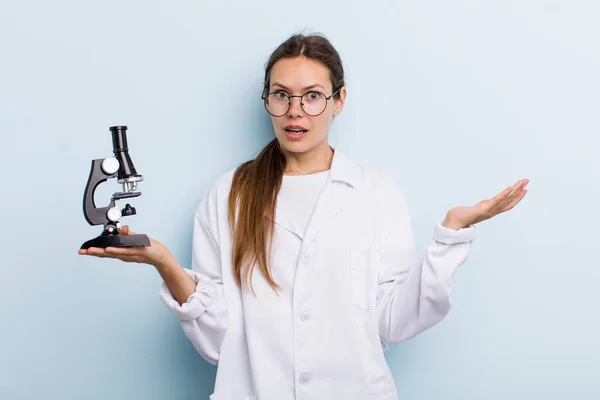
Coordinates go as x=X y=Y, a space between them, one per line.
x=122 y=167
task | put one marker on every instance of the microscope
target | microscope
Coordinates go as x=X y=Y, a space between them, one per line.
x=122 y=167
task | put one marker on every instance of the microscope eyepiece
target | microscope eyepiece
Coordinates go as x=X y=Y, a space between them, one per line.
x=121 y=151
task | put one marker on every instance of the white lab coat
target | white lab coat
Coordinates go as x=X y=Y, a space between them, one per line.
x=352 y=284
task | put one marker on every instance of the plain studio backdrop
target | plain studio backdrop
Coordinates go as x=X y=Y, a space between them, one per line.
x=457 y=99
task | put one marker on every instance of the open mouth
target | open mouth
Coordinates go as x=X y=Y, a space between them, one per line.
x=296 y=131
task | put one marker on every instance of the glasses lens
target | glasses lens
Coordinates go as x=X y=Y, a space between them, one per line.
x=314 y=103
x=277 y=104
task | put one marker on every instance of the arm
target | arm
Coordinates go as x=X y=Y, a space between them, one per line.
x=179 y=283
x=413 y=294
x=203 y=313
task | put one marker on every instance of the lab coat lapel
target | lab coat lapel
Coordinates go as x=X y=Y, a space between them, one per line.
x=334 y=197
x=326 y=208
x=284 y=219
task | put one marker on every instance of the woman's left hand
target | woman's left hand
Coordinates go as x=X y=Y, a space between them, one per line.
x=464 y=216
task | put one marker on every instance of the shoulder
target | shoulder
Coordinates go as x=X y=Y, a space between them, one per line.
x=216 y=197
x=384 y=196
x=378 y=181
x=224 y=181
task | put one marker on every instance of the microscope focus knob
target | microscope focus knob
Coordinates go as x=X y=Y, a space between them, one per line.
x=110 y=165
x=128 y=210
x=113 y=214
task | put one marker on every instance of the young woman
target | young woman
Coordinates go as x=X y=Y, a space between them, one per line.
x=303 y=266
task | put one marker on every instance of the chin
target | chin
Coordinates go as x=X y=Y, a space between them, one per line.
x=295 y=147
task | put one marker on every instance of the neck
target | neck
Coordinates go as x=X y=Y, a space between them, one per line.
x=310 y=162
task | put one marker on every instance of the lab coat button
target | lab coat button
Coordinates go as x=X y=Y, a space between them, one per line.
x=304 y=379
x=305 y=316
x=305 y=257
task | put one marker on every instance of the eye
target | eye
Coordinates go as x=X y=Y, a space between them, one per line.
x=313 y=95
x=280 y=94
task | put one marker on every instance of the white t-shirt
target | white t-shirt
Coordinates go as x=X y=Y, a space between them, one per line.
x=298 y=196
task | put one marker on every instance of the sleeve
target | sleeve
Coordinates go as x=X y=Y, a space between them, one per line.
x=203 y=316
x=413 y=294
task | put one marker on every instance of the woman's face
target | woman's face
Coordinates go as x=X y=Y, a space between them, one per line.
x=297 y=76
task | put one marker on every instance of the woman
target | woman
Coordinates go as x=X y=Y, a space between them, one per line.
x=303 y=265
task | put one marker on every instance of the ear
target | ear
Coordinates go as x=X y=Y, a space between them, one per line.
x=339 y=103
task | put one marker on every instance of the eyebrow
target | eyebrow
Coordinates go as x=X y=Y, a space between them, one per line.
x=306 y=88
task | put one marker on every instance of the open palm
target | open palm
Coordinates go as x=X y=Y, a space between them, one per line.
x=463 y=216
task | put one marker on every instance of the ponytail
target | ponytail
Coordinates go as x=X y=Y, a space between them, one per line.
x=252 y=202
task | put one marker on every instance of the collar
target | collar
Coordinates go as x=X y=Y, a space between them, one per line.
x=343 y=169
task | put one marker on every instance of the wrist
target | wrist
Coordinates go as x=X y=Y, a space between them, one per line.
x=165 y=263
x=451 y=223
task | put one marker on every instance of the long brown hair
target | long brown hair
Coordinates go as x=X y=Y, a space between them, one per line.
x=256 y=183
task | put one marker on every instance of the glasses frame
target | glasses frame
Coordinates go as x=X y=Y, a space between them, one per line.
x=264 y=98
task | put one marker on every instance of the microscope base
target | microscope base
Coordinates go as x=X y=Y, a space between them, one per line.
x=118 y=240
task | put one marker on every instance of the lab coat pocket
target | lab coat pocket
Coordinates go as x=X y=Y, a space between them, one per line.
x=364 y=265
x=382 y=391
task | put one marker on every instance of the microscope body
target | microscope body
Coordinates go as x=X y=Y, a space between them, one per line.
x=102 y=169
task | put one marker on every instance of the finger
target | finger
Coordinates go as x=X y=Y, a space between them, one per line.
x=508 y=195
x=127 y=231
x=515 y=201
x=502 y=195
x=103 y=253
x=504 y=200
x=508 y=202
x=496 y=202
x=123 y=251
x=516 y=194
x=124 y=257
x=97 y=252
x=94 y=250
x=519 y=185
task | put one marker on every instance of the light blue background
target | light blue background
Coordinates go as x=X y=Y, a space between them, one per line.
x=458 y=99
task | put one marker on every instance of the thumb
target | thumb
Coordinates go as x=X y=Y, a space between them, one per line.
x=126 y=231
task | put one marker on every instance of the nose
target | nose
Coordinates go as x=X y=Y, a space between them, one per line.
x=295 y=107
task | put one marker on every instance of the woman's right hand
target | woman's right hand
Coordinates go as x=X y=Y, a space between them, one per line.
x=156 y=254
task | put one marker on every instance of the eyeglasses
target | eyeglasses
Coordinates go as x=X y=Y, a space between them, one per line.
x=313 y=103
